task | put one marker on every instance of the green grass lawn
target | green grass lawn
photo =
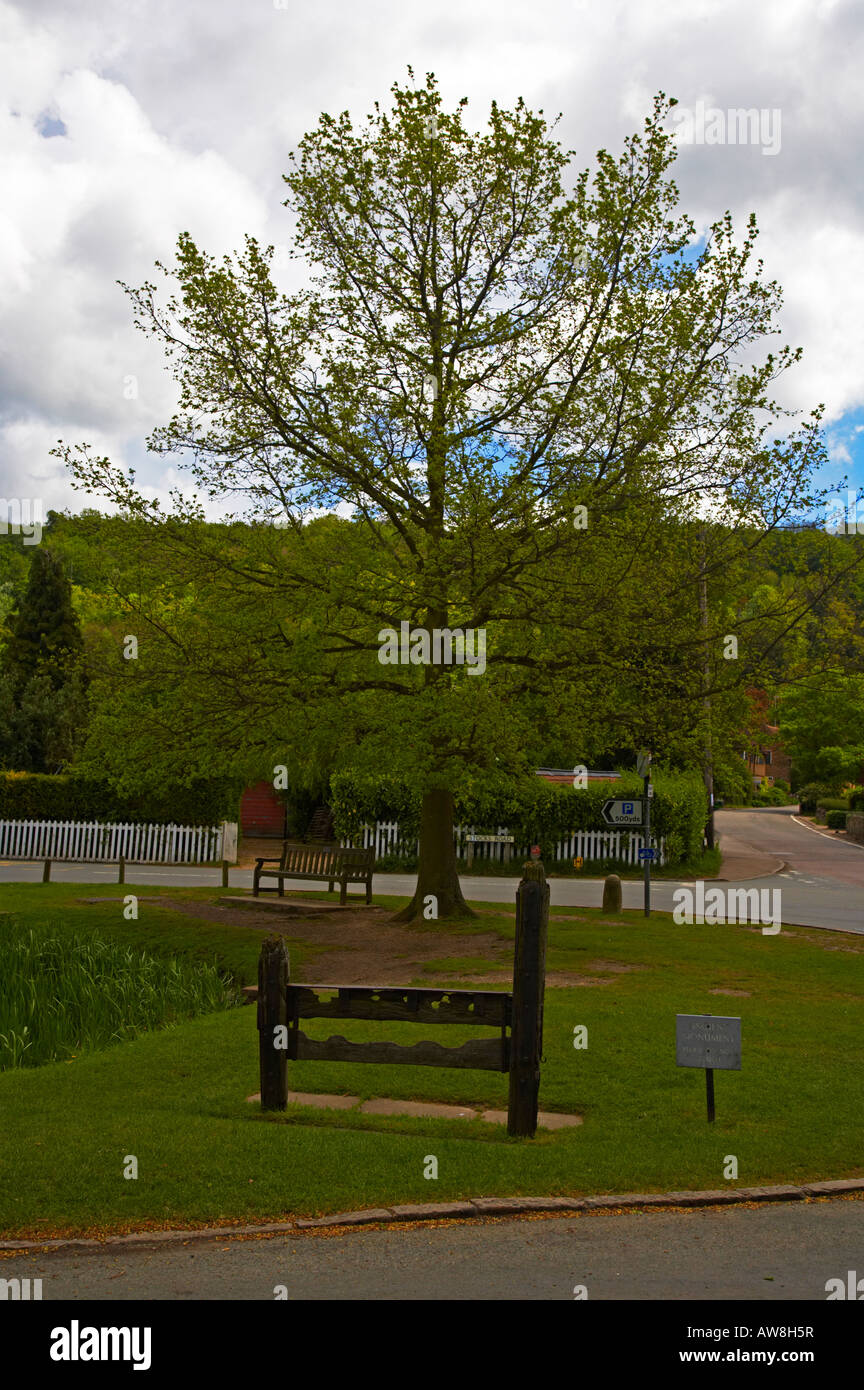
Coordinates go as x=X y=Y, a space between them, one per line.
x=175 y=1098
x=235 y=950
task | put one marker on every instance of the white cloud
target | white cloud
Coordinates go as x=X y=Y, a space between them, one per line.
x=82 y=211
x=181 y=117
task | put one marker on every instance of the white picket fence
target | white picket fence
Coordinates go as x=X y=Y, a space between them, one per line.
x=96 y=842
x=623 y=845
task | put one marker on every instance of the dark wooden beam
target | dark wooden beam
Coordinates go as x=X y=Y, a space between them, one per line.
x=483 y=1054
x=488 y=1007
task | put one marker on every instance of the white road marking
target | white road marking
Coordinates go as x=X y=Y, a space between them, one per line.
x=826 y=835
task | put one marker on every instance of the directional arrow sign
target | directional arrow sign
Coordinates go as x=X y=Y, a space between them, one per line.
x=621 y=812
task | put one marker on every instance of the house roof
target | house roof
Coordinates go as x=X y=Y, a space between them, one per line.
x=565 y=774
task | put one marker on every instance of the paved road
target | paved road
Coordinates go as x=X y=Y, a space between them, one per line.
x=780 y=831
x=783 y=1251
x=822 y=881
x=822 y=884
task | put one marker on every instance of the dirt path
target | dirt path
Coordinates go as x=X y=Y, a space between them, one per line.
x=364 y=948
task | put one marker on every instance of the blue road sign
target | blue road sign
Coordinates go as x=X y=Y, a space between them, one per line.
x=646 y=854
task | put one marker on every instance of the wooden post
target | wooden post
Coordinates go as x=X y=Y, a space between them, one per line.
x=224 y=873
x=529 y=978
x=273 y=974
x=121 y=869
x=709 y=1092
x=46 y=871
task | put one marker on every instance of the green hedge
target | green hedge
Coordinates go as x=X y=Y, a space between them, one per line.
x=856 y=799
x=732 y=782
x=35 y=796
x=770 y=796
x=832 y=803
x=836 y=820
x=810 y=796
x=532 y=809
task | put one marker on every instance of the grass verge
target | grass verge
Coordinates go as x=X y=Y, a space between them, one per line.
x=175 y=1099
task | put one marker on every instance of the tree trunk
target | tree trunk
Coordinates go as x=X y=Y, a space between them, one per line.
x=436 y=872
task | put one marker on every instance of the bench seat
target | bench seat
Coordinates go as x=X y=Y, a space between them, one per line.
x=329 y=862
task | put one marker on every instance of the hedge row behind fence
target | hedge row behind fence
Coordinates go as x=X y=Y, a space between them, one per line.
x=531 y=808
x=37 y=796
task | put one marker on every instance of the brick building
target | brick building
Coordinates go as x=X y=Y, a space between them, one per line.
x=767 y=760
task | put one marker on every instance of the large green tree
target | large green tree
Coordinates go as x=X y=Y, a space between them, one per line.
x=822 y=728
x=523 y=405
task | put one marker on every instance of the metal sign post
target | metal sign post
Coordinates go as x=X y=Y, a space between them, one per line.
x=648 y=794
x=643 y=767
x=708 y=1041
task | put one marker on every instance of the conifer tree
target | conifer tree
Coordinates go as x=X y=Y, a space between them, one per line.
x=42 y=698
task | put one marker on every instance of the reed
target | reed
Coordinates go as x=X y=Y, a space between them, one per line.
x=64 y=994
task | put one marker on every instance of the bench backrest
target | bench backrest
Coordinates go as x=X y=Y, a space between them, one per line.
x=324 y=859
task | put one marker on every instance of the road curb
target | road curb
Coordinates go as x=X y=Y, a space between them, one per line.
x=473 y=1207
x=723 y=877
x=749 y=878
x=826 y=834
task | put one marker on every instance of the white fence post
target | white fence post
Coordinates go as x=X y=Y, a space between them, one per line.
x=227 y=849
x=589 y=844
x=94 y=842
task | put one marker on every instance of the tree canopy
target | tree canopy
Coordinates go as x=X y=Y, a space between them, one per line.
x=501 y=403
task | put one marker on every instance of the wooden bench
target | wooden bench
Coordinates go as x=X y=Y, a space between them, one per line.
x=328 y=862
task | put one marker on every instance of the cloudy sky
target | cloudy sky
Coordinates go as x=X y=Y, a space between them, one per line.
x=124 y=124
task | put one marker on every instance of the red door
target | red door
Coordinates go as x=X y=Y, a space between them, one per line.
x=262 y=812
